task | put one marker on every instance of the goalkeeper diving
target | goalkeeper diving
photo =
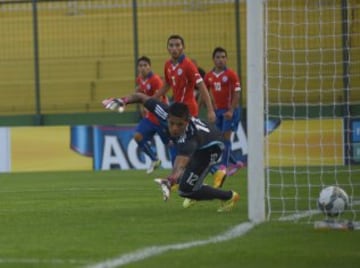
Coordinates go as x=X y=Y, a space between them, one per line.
x=199 y=146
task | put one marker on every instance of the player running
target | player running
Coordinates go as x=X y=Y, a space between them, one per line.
x=148 y=83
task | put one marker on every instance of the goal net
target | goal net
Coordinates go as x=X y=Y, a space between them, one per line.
x=311 y=83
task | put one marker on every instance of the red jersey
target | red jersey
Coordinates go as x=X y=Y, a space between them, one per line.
x=222 y=85
x=182 y=77
x=149 y=86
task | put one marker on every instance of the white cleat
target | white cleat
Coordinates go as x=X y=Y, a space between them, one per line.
x=165 y=187
x=154 y=165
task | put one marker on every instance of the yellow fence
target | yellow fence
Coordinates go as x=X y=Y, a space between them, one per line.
x=88 y=55
x=86 y=49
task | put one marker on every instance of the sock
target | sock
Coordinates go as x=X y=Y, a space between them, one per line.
x=145 y=147
x=232 y=159
x=226 y=153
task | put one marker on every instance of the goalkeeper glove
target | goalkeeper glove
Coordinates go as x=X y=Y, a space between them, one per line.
x=114 y=104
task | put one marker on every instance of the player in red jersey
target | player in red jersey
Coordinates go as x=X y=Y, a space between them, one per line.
x=148 y=83
x=182 y=76
x=224 y=85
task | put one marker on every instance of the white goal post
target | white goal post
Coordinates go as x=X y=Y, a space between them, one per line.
x=303 y=62
x=255 y=110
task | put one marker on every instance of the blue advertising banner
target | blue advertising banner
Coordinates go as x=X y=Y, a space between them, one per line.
x=113 y=147
x=355 y=141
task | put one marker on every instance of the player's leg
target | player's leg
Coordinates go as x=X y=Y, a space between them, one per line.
x=144 y=132
x=162 y=132
x=191 y=183
x=226 y=129
x=219 y=170
x=234 y=164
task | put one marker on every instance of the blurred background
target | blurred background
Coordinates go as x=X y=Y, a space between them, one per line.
x=60 y=57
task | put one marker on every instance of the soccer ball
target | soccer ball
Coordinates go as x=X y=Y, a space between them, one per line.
x=333 y=201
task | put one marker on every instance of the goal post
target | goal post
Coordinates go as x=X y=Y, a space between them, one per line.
x=255 y=110
x=303 y=62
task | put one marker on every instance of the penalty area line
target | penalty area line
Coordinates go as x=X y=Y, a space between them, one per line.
x=141 y=254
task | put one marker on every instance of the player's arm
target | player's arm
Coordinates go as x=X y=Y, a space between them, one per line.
x=200 y=101
x=235 y=96
x=141 y=107
x=235 y=100
x=233 y=106
x=236 y=91
x=205 y=97
x=180 y=163
x=118 y=104
x=162 y=91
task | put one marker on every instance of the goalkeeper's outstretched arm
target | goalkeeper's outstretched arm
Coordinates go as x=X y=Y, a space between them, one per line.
x=118 y=104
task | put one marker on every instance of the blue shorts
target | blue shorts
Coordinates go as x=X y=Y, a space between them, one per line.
x=227 y=125
x=148 y=129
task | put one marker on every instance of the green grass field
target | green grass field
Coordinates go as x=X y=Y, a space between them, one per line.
x=78 y=219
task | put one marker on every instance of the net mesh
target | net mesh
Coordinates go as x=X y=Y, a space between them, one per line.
x=312 y=51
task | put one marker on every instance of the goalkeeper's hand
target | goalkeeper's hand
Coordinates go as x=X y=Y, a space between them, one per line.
x=114 y=104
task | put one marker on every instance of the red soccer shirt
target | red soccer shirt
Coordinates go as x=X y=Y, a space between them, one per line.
x=222 y=85
x=149 y=86
x=182 y=77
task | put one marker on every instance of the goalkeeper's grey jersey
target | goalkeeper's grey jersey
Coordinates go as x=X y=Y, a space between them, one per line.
x=198 y=135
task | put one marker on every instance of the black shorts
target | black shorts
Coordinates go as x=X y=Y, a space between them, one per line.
x=198 y=168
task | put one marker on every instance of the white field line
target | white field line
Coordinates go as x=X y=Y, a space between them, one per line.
x=148 y=252
x=308 y=213
x=301 y=215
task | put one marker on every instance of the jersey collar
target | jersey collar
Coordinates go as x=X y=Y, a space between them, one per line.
x=225 y=68
x=150 y=74
x=180 y=59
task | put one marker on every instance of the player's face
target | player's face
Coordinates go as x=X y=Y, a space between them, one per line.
x=176 y=125
x=220 y=60
x=143 y=68
x=175 y=48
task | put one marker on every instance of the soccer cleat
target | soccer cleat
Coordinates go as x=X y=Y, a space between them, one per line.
x=233 y=168
x=229 y=204
x=154 y=165
x=165 y=187
x=175 y=187
x=188 y=202
x=219 y=177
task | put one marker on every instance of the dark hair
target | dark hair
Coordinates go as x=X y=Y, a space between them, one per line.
x=219 y=49
x=179 y=109
x=176 y=36
x=144 y=58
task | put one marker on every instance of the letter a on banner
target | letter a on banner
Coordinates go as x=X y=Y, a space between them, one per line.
x=113 y=154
